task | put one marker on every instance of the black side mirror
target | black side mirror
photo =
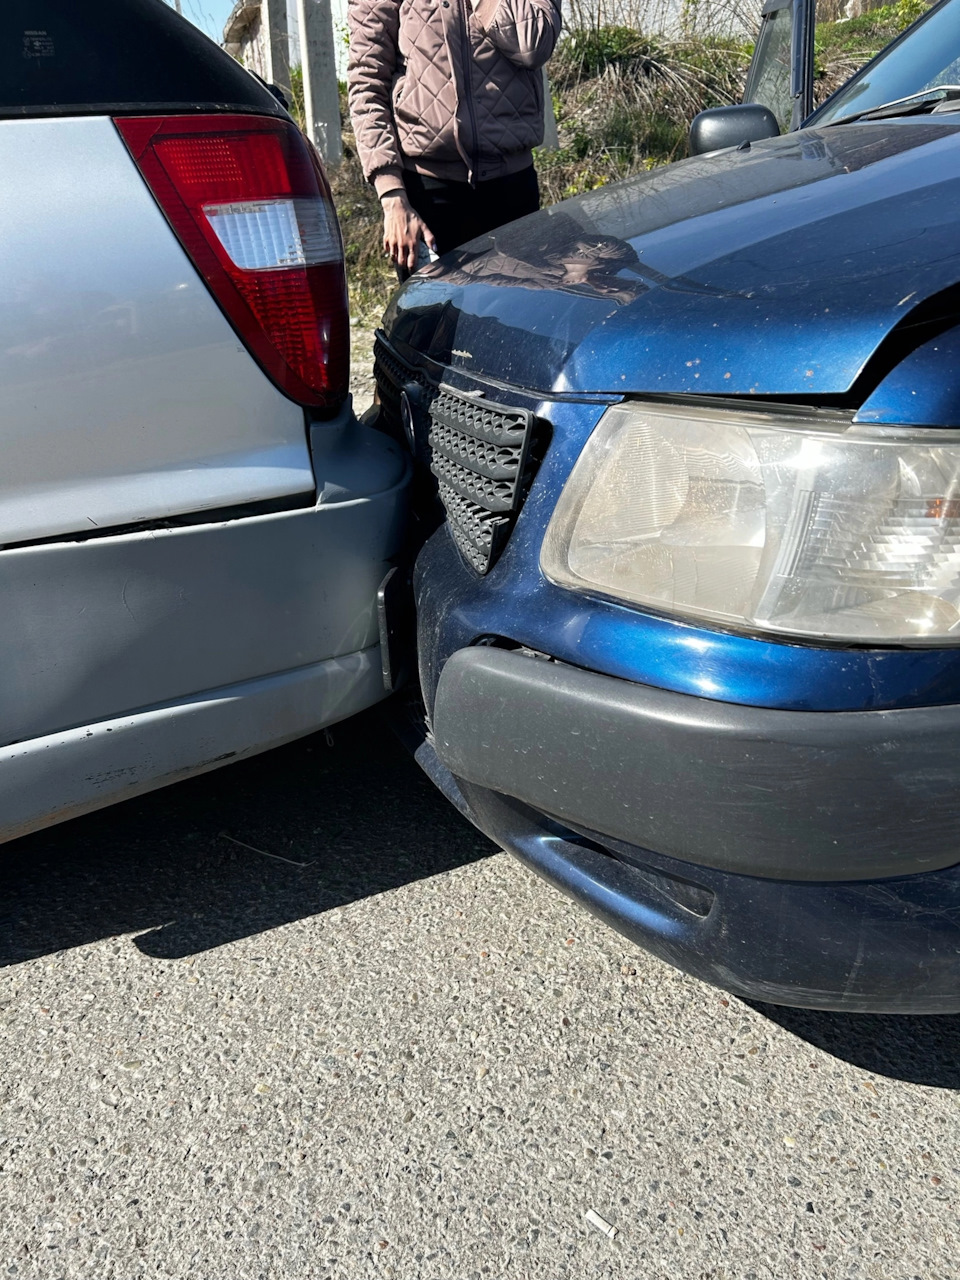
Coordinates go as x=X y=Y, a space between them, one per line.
x=730 y=126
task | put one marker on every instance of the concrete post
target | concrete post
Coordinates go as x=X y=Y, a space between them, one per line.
x=276 y=43
x=551 y=138
x=321 y=96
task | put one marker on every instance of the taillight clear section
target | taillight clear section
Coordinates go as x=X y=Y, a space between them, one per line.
x=250 y=203
x=260 y=234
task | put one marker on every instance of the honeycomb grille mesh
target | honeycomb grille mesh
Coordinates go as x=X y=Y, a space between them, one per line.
x=478 y=453
x=392 y=375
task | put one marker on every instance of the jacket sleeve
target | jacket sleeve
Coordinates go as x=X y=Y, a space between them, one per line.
x=374 y=31
x=525 y=31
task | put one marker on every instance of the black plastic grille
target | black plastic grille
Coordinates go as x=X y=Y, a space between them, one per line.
x=478 y=453
x=479 y=533
x=392 y=375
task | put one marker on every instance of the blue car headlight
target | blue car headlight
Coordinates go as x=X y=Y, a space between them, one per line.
x=789 y=522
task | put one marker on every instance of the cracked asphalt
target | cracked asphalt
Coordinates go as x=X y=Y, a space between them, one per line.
x=297 y=1019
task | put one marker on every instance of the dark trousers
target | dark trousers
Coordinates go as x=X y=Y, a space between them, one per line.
x=456 y=212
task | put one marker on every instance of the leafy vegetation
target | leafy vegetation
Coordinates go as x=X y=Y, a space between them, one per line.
x=624 y=101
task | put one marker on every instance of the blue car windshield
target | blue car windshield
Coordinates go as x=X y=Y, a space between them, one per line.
x=927 y=58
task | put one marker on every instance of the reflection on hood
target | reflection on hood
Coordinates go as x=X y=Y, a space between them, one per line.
x=676 y=193
x=775 y=270
x=552 y=251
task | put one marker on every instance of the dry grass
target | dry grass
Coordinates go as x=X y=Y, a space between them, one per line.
x=372 y=279
x=370 y=275
x=624 y=102
x=673 y=19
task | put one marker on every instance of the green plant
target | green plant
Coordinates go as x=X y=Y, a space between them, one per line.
x=588 y=53
x=626 y=101
x=908 y=11
x=296 y=95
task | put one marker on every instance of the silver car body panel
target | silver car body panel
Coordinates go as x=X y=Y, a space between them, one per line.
x=132 y=657
x=125 y=395
x=112 y=624
x=66 y=774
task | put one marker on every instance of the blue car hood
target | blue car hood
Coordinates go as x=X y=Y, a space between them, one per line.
x=777 y=269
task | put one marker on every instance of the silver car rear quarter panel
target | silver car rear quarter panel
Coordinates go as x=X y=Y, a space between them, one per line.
x=125 y=394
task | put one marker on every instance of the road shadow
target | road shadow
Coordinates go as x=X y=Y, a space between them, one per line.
x=334 y=817
x=918 y=1050
x=319 y=826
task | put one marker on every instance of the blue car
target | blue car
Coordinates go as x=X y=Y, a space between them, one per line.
x=688 y=594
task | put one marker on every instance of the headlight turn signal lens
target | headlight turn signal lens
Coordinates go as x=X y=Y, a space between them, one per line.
x=767 y=522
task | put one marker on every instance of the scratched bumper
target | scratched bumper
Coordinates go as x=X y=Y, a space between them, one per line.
x=801 y=858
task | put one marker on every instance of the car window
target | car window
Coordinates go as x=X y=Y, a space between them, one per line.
x=769 y=80
x=927 y=55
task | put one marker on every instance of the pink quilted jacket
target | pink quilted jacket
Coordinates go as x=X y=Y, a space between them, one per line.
x=449 y=90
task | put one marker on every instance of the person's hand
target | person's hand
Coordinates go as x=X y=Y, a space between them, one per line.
x=402 y=228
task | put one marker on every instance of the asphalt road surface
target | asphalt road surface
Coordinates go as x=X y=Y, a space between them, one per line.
x=379 y=1048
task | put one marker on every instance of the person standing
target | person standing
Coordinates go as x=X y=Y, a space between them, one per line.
x=446 y=99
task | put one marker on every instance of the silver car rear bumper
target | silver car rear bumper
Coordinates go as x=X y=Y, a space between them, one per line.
x=135 y=659
x=63 y=775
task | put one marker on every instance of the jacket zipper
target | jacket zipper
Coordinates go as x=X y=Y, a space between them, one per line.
x=468 y=89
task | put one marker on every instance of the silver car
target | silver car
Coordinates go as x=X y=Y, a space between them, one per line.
x=193 y=524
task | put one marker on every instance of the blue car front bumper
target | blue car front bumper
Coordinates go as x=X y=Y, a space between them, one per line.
x=778 y=819
x=881 y=946
x=791 y=857
x=806 y=858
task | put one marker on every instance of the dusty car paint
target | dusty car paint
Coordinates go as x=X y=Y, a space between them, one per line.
x=714 y=291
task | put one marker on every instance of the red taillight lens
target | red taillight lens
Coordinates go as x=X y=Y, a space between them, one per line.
x=251 y=206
